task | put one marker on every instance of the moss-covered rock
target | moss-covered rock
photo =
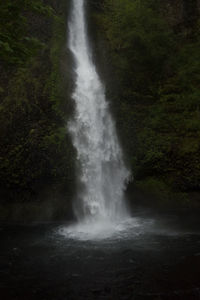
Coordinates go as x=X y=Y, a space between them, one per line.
x=154 y=48
x=36 y=152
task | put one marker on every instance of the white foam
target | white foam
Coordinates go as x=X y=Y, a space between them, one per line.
x=101 y=230
x=101 y=172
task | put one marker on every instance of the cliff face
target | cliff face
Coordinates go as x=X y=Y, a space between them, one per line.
x=35 y=152
x=150 y=68
x=153 y=52
x=181 y=12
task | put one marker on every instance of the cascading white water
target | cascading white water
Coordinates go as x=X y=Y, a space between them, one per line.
x=101 y=170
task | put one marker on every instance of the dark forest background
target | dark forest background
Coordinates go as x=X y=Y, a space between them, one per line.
x=148 y=56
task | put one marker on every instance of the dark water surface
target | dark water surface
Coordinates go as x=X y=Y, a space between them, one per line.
x=154 y=259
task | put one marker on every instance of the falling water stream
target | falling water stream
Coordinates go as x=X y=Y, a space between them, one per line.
x=100 y=168
x=106 y=254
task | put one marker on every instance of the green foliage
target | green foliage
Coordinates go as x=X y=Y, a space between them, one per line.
x=160 y=193
x=140 y=40
x=16 y=44
x=35 y=149
x=33 y=142
x=157 y=107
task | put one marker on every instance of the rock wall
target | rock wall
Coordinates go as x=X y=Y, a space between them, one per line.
x=181 y=12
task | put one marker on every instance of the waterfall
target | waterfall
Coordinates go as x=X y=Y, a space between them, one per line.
x=101 y=172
